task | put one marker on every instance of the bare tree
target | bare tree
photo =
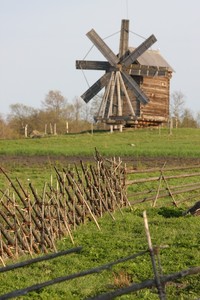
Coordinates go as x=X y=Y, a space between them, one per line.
x=188 y=120
x=21 y=111
x=20 y=115
x=95 y=105
x=5 y=131
x=86 y=112
x=198 y=119
x=55 y=102
x=90 y=110
x=177 y=106
x=78 y=105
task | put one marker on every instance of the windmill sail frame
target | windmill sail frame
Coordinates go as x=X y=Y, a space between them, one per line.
x=126 y=97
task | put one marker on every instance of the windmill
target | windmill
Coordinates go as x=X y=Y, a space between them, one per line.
x=123 y=97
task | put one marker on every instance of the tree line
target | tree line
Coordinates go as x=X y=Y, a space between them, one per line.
x=58 y=116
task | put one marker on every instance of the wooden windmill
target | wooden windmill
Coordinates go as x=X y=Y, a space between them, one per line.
x=125 y=95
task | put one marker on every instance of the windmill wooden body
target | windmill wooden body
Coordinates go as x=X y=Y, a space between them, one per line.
x=136 y=82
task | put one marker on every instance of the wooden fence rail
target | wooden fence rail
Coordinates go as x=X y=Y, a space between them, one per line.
x=39 y=259
x=168 y=183
x=159 y=281
x=149 y=283
x=98 y=269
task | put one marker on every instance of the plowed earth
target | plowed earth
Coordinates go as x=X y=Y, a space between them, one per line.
x=146 y=162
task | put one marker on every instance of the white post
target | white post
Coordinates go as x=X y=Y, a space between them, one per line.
x=26 y=130
x=51 y=129
x=67 y=127
x=45 y=129
x=54 y=129
x=92 y=129
x=170 y=126
x=111 y=128
x=120 y=128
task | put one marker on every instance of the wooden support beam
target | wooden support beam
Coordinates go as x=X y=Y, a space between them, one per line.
x=119 y=100
x=123 y=87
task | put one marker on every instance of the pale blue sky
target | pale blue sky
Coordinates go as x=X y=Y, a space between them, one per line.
x=40 y=41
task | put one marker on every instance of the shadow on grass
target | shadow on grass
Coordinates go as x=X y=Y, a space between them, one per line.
x=170 y=212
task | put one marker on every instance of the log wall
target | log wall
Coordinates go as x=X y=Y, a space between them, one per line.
x=157 y=90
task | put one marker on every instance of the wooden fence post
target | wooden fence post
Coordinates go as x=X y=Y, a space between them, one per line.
x=160 y=288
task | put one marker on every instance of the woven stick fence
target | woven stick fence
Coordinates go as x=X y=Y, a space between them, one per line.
x=32 y=222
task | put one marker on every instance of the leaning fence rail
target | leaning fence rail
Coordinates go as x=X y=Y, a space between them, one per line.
x=39 y=259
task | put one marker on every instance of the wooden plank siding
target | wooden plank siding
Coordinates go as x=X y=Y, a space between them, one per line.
x=157 y=90
x=156 y=111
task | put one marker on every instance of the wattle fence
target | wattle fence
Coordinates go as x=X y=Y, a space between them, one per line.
x=32 y=222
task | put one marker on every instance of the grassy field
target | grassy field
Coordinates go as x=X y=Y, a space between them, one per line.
x=137 y=143
x=119 y=238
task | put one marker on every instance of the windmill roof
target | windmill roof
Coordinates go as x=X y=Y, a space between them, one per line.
x=152 y=58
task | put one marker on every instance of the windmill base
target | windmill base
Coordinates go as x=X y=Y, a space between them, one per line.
x=130 y=121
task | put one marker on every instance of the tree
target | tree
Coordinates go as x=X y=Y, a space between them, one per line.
x=177 y=106
x=95 y=105
x=188 y=120
x=5 y=131
x=198 y=119
x=20 y=116
x=21 y=111
x=78 y=105
x=54 y=102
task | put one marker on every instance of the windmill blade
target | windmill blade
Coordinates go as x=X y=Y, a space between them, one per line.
x=93 y=65
x=124 y=35
x=96 y=87
x=103 y=47
x=127 y=61
x=135 y=88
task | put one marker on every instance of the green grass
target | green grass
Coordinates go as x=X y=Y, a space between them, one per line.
x=144 y=142
x=118 y=239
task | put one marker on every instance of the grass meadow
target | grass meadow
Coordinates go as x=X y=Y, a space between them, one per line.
x=137 y=143
x=116 y=239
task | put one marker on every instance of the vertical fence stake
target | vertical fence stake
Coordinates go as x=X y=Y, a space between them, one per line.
x=160 y=288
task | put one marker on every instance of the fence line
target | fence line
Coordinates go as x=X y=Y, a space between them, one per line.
x=39 y=286
x=31 y=222
x=159 y=281
x=156 y=190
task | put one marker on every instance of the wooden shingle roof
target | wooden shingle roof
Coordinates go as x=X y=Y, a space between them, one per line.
x=152 y=58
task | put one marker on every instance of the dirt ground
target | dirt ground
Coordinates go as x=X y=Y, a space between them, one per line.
x=146 y=162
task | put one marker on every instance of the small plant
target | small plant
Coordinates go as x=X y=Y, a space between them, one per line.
x=121 y=279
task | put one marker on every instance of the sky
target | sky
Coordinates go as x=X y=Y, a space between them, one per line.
x=40 y=40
